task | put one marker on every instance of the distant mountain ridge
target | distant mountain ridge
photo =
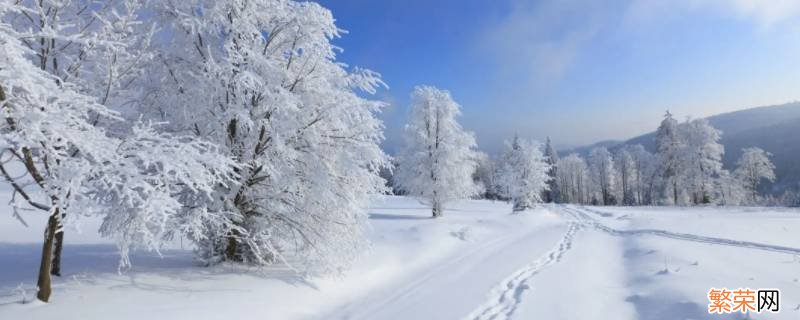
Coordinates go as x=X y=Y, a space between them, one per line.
x=775 y=129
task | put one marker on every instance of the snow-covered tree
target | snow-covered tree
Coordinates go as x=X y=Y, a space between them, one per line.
x=645 y=174
x=790 y=197
x=551 y=157
x=669 y=146
x=689 y=161
x=753 y=167
x=438 y=159
x=523 y=173
x=98 y=49
x=261 y=79
x=603 y=173
x=702 y=157
x=573 y=179
x=730 y=190
x=626 y=170
x=73 y=168
x=484 y=175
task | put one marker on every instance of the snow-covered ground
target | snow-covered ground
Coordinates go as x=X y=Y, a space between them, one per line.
x=478 y=262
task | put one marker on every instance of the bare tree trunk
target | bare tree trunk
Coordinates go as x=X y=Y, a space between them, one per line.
x=59 y=245
x=675 y=193
x=231 y=249
x=437 y=209
x=47 y=254
x=46 y=263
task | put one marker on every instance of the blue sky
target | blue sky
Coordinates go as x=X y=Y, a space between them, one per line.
x=578 y=71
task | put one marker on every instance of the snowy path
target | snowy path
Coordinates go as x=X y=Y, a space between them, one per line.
x=512 y=294
x=581 y=215
x=506 y=297
x=471 y=273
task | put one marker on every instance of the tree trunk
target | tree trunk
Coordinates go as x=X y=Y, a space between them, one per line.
x=47 y=254
x=437 y=209
x=675 y=193
x=231 y=249
x=59 y=245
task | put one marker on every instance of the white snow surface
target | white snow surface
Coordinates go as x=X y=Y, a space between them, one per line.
x=477 y=262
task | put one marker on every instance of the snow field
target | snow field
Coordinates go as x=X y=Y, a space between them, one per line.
x=477 y=262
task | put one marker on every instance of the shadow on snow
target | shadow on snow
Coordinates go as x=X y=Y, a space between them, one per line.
x=86 y=264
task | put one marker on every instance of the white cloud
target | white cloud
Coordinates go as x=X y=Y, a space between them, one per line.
x=541 y=40
x=765 y=13
x=537 y=43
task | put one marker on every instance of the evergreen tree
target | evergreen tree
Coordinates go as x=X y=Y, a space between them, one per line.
x=551 y=157
x=522 y=173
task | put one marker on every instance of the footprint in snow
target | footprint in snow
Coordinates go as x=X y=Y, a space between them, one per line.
x=463 y=234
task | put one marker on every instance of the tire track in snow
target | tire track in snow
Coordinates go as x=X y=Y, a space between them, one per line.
x=505 y=297
x=585 y=219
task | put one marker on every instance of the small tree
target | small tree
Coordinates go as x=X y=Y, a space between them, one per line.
x=644 y=164
x=626 y=167
x=522 y=173
x=601 y=169
x=551 y=157
x=753 y=167
x=702 y=159
x=573 y=179
x=669 y=146
x=438 y=159
x=484 y=176
x=731 y=190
